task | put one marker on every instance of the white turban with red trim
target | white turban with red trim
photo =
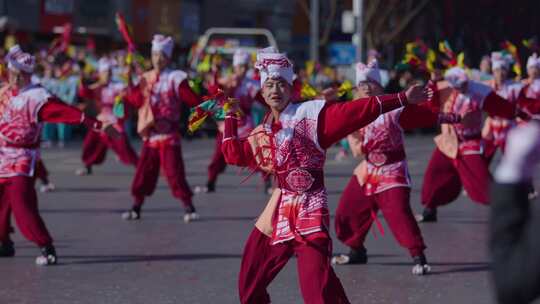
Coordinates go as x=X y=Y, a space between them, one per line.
x=533 y=61
x=456 y=77
x=163 y=44
x=241 y=57
x=19 y=60
x=500 y=60
x=272 y=64
x=368 y=72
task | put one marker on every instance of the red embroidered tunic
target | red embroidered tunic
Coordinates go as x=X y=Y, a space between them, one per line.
x=381 y=142
x=499 y=127
x=479 y=97
x=20 y=125
x=165 y=92
x=105 y=96
x=298 y=147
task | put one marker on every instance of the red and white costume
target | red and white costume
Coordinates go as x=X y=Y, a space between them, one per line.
x=382 y=180
x=296 y=221
x=458 y=159
x=159 y=98
x=532 y=86
x=21 y=120
x=96 y=144
x=496 y=128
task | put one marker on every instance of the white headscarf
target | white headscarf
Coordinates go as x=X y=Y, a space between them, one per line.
x=240 y=57
x=272 y=64
x=533 y=61
x=368 y=72
x=19 y=60
x=500 y=60
x=163 y=44
x=104 y=64
x=456 y=77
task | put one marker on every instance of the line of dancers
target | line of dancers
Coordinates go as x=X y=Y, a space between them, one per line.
x=288 y=145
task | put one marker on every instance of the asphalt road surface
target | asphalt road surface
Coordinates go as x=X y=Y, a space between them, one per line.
x=159 y=259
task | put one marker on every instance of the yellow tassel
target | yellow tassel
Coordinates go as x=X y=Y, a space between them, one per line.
x=195 y=125
x=308 y=91
x=344 y=88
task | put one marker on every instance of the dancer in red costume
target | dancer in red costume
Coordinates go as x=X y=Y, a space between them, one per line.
x=291 y=144
x=382 y=180
x=496 y=128
x=21 y=121
x=242 y=86
x=106 y=93
x=159 y=96
x=458 y=158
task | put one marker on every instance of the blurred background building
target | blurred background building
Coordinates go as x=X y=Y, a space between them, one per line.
x=475 y=27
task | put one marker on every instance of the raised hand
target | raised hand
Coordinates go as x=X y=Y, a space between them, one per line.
x=330 y=94
x=418 y=93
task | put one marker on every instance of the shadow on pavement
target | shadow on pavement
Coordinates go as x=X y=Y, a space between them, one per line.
x=111 y=259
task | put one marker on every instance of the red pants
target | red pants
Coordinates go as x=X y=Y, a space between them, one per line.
x=41 y=172
x=262 y=261
x=354 y=216
x=218 y=164
x=445 y=176
x=169 y=156
x=17 y=195
x=95 y=147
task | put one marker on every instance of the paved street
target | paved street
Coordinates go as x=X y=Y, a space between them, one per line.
x=162 y=260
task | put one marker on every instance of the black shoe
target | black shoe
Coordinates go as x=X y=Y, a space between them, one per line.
x=211 y=187
x=7 y=249
x=421 y=266
x=355 y=256
x=47 y=257
x=428 y=215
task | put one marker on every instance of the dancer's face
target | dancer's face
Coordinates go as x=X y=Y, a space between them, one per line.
x=104 y=76
x=533 y=72
x=368 y=89
x=159 y=60
x=240 y=70
x=500 y=74
x=276 y=93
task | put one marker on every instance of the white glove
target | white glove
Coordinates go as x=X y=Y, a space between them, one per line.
x=522 y=154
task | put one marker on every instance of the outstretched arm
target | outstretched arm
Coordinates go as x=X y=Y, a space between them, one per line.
x=495 y=105
x=337 y=120
x=56 y=111
x=424 y=115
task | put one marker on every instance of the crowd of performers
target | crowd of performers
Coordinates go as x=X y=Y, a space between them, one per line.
x=286 y=146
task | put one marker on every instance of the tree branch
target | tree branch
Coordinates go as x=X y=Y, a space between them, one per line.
x=399 y=28
x=329 y=23
x=304 y=6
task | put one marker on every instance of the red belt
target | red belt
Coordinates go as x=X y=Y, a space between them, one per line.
x=379 y=159
x=301 y=180
x=464 y=137
x=22 y=146
x=163 y=126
